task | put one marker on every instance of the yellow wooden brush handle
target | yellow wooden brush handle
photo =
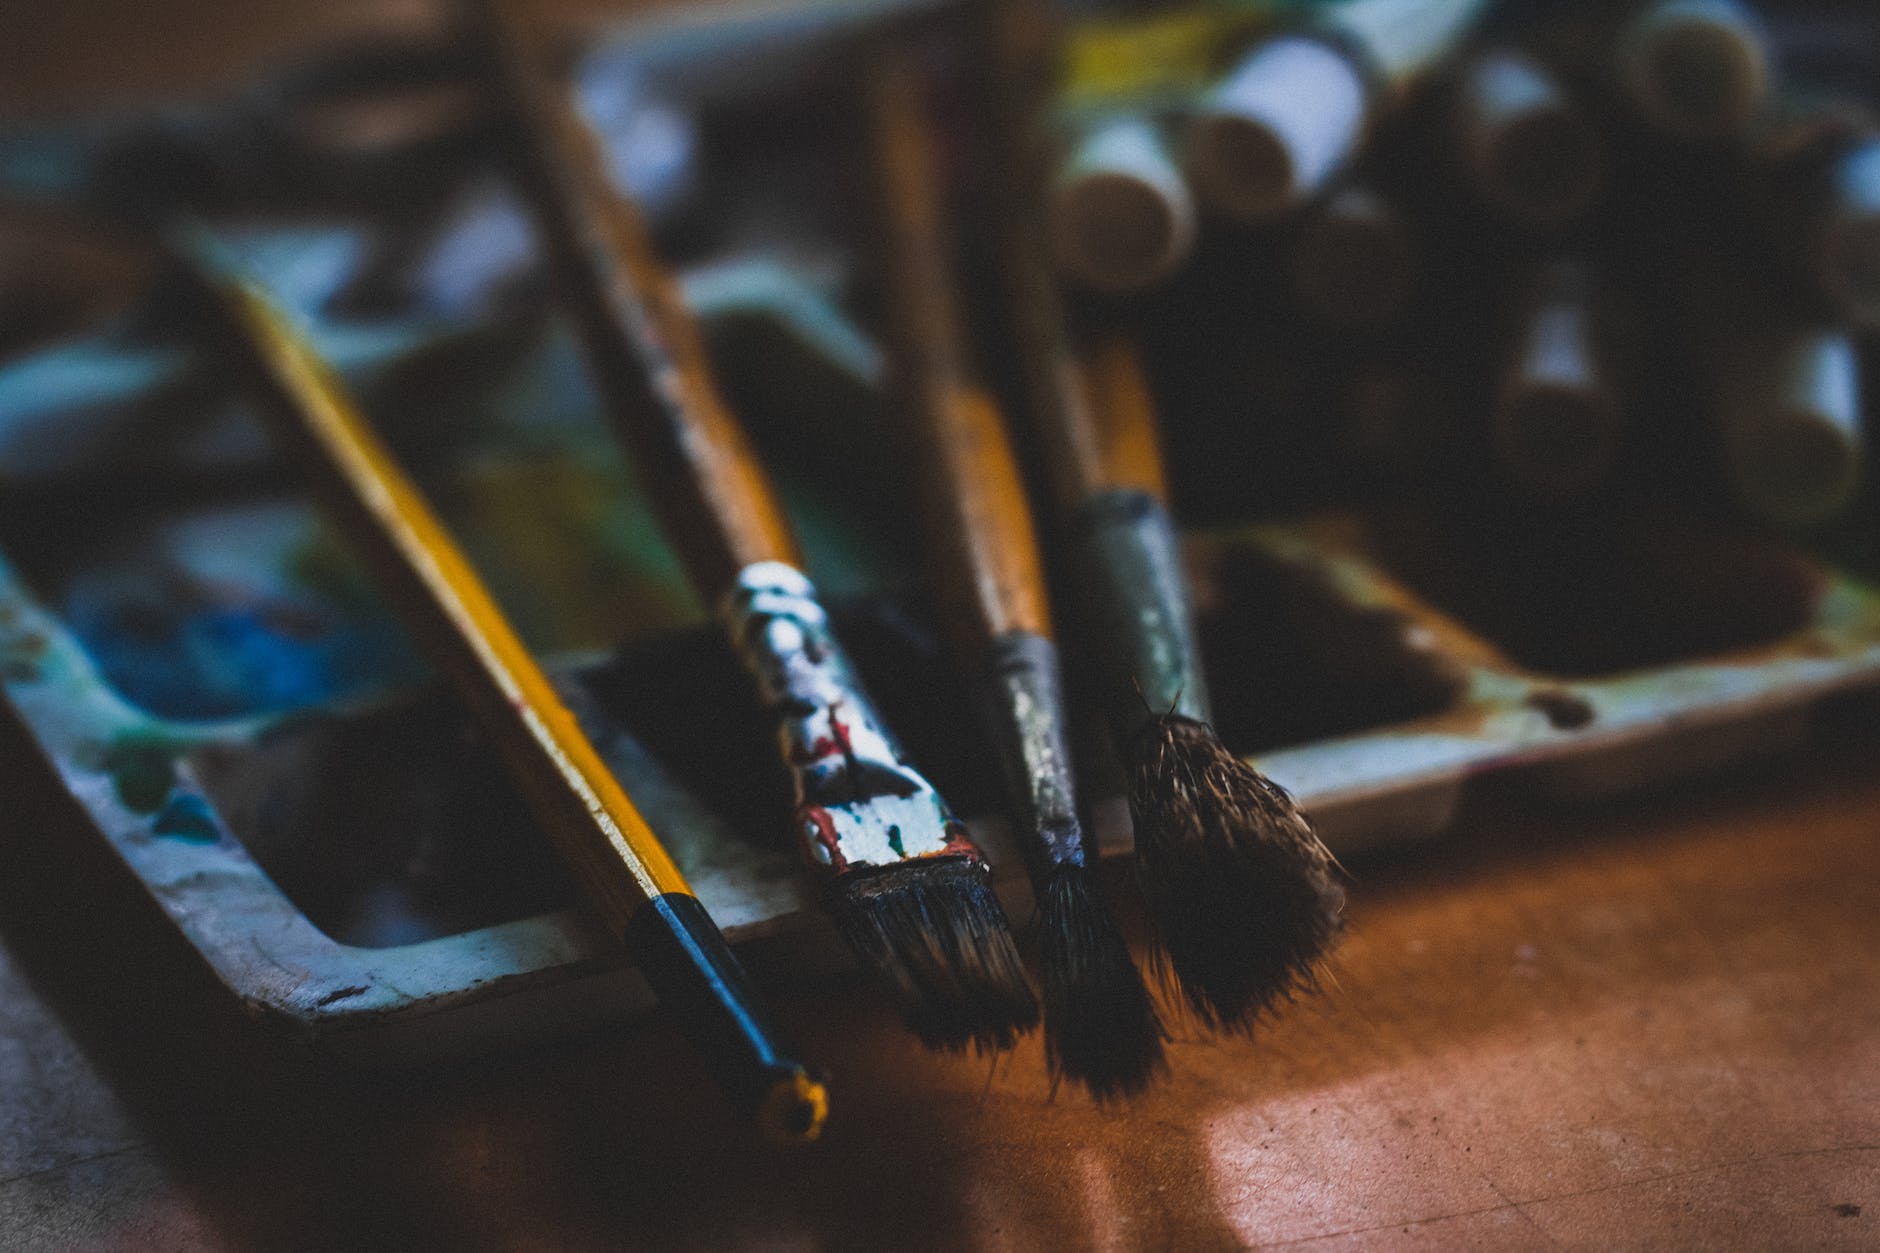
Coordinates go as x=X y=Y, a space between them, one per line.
x=615 y=854
x=623 y=871
x=1108 y=437
x=984 y=538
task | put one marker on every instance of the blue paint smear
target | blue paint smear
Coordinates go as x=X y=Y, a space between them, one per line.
x=237 y=658
x=188 y=818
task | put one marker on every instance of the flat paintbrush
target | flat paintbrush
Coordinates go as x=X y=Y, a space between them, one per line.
x=908 y=889
x=623 y=871
x=1240 y=890
x=1100 y=1025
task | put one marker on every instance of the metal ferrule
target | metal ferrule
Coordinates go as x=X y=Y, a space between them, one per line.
x=1023 y=708
x=1137 y=617
x=858 y=801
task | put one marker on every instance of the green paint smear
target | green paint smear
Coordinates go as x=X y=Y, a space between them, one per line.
x=142 y=767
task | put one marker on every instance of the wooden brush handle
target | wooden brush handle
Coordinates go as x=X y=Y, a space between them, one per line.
x=620 y=865
x=1107 y=434
x=983 y=538
x=644 y=347
x=1120 y=540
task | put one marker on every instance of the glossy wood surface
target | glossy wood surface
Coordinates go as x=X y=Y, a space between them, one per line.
x=1650 y=1028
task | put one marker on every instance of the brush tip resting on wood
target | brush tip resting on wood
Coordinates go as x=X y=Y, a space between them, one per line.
x=1242 y=892
x=1101 y=1028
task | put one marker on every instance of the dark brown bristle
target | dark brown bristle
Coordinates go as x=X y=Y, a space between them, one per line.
x=1100 y=1025
x=935 y=931
x=1239 y=889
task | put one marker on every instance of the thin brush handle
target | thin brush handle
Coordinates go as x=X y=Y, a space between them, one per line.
x=643 y=345
x=626 y=875
x=980 y=521
x=1123 y=546
x=1092 y=414
x=984 y=551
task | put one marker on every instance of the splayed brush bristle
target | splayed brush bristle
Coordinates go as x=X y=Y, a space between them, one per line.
x=935 y=931
x=1240 y=891
x=1101 y=1028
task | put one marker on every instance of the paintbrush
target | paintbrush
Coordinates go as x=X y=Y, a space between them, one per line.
x=1100 y=1026
x=1240 y=891
x=1278 y=127
x=908 y=889
x=623 y=871
x=1239 y=887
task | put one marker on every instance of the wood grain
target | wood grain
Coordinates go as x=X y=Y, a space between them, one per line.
x=1653 y=1028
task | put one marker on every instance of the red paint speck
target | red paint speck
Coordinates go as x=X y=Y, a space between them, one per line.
x=821 y=748
x=961 y=844
x=814 y=818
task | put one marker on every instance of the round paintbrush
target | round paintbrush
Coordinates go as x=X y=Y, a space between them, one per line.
x=1693 y=69
x=1275 y=131
x=1100 y=1026
x=1556 y=420
x=1241 y=892
x=1120 y=216
x=906 y=886
x=1353 y=263
x=1524 y=146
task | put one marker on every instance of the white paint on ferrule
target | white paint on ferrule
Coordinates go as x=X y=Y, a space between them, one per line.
x=1276 y=130
x=858 y=802
x=1119 y=215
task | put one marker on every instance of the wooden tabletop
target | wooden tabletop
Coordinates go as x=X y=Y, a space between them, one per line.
x=1656 y=1026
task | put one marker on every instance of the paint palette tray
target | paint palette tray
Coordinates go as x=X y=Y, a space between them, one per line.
x=200 y=664
x=211 y=679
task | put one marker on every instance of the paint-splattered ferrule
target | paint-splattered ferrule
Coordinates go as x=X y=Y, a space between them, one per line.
x=1022 y=706
x=859 y=803
x=1138 y=621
